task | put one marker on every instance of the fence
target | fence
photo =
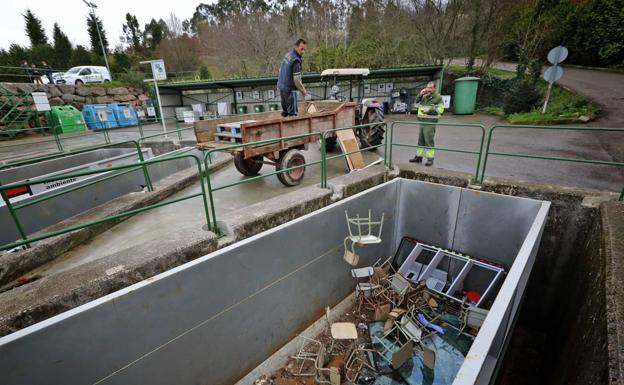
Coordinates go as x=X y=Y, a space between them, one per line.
x=207 y=191
x=478 y=152
x=58 y=138
x=488 y=152
x=26 y=240
x=322 y=136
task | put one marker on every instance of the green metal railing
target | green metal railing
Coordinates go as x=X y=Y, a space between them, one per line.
x=322 y=136
x=488 y=152
x=26 y=240
x=391 y=144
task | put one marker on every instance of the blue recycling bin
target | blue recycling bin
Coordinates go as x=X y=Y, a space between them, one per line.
x=125 y=114
x=98 y=116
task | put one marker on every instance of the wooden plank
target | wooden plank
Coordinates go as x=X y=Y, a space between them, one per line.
x=348 y=143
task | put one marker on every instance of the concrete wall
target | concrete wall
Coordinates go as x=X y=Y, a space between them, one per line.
x=41 y=215
x=213 y=319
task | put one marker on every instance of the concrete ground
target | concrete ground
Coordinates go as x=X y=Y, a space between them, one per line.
x=38 y=145
x=190 y=214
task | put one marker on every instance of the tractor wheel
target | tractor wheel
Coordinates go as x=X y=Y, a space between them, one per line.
x=248 y=167
x=374 y=134
x=291 y=158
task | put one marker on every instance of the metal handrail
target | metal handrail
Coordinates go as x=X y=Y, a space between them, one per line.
x=27 y=240
x=448 y=149
x=323 y=162
x=542 y=157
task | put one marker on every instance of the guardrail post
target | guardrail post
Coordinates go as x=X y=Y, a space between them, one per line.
x=621 y=198
x=323 y=160
x=140 y=128
x=213 y=228
x=148 y=180
x=57 y=139
x=487 y=153
x=203 y=190
x=13 y=214
x=177 y=124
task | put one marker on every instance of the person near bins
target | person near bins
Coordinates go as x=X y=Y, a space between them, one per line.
x=26 y=69
x=430 y=106
x=48 y=71
x=36 y=75
x=289 y=78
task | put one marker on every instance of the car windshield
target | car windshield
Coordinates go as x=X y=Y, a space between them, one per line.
x=73 y=70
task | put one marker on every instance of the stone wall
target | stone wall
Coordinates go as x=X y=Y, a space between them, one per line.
x=78 y=96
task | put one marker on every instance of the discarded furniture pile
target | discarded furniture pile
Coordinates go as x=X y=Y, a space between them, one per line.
x=414 y=318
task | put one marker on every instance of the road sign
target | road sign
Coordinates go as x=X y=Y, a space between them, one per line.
x=552 y=74
x=557 y=54
x=158 y=69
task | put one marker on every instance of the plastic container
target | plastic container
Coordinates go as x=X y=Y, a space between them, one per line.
x=258 y=108
x=273 y=107
x=465 y=99
x=125 y=114
x=242 y=109
x=65 y=119
x=99 y=116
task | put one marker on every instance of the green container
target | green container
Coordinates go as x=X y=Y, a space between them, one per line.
x=258 y=108
x=465 y=99
x=242 y=109
x=65 y=119
x=273 y=107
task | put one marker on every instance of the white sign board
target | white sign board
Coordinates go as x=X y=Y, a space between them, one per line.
x=447 y=101
x=41 y=101
x=189 y=116
x=199 y=108
x=222 y=108
x=271 y=94
x=366 y=89
x=151 y=111
x=389 y=87
x=381 y=87
x=256 y=94
x=158 y=69
x=239 y=95
x=140 y=114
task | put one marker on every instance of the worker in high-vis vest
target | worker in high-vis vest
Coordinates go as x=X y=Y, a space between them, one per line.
x=429 y=106
x=289 y=78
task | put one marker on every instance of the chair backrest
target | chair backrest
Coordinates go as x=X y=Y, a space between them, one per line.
x=362 y=272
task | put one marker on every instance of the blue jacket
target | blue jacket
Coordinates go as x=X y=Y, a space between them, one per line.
x=290 y=64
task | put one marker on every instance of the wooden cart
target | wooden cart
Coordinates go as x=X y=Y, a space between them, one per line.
x=248 y=128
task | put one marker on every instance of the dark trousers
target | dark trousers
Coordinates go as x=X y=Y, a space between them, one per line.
x=289 y=103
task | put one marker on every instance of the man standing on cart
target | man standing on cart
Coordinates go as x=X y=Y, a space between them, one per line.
x=289 y=78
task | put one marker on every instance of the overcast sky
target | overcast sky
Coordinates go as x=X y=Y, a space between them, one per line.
x=71 y=16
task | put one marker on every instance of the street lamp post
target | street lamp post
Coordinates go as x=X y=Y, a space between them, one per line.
x=92 y=6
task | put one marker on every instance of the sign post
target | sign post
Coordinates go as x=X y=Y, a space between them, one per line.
x=555 y=72
x=158 y=73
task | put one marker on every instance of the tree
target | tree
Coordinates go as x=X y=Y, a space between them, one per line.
x=93 y=22
x=62 y=48
x=34 y=29
x=121 y=61
x=132 y=32
x=154 y=33
x=80 y=57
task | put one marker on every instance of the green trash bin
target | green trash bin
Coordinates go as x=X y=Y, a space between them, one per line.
x=273 y=107
x=465 y=99
x=259 y=108
x=63 y=119
x=242 y=109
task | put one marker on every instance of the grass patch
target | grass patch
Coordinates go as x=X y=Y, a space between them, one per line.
x=564 y=106
x=503 y=74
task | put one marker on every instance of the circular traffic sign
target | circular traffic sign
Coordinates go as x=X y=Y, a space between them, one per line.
x=557 y=54
x=552 y=74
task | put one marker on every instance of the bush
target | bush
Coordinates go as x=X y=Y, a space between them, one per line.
x=522 y=96
x=132 y=78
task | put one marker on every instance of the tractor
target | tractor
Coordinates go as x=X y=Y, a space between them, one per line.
x=368 y=110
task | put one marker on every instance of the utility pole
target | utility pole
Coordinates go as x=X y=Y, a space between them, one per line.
x=92 y=6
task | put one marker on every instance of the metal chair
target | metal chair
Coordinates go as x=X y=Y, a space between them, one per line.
x=363 y=236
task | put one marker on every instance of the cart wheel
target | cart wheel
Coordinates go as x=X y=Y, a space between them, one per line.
x=248 y=167
x=291 y=158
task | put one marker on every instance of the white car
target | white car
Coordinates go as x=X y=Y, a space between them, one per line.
x=85 y=74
